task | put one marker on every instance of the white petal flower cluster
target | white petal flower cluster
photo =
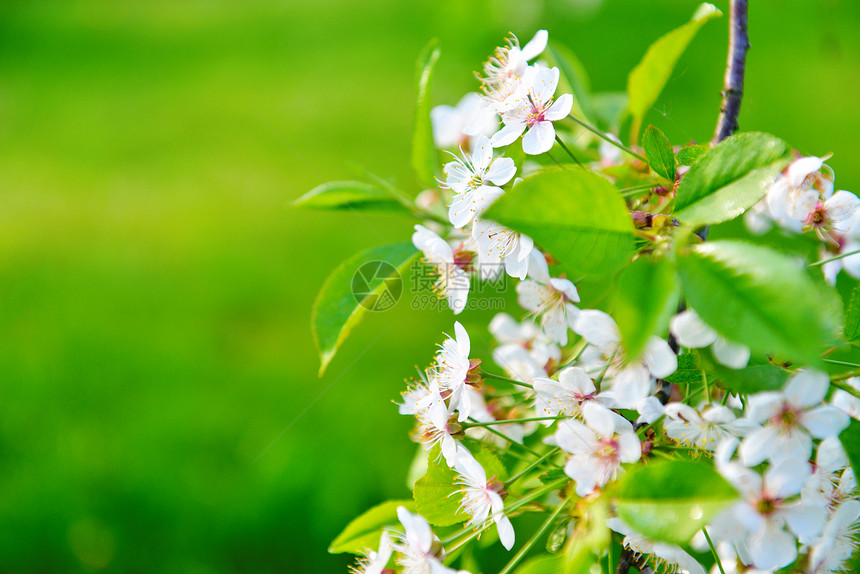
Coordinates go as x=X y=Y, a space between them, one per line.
x=450 y=388
x=802 y=200
x=572 y=409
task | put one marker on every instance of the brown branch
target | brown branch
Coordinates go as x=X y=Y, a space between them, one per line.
x=733 y=84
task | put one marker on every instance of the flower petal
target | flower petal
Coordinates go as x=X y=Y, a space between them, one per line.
x=501 y=171
x=539 y=138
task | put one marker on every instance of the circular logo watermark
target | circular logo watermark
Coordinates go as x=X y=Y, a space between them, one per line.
x=377 y=286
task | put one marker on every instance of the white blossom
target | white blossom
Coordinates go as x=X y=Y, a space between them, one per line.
x=504 y=71
x=665 y=557
x=630 y=382
x=838 y=542
x=534 y=110
x=453 y=281
x=756 y=525
x=706 y=430
x=475 y=179
x=791 y=418
x=433 y=417
x=480 y=500
x=419 y=550
x=450 y=123
x=567 y=395
x=691 y=332
x=374 y=562
x=452 y=367
x=550 y=299
x=597 y=447
x=845 y=401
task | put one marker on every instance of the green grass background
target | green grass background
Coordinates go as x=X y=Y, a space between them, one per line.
x=159 y=404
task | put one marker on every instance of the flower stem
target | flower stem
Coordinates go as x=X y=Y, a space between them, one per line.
x=505 y=379
x=713 y=551
x=603 y=136
x=583 y=346
x=841 y=256
x=509 y=439
x=533 y=540
x=529 y=468
x=835 y=362
x=512 y=421
x=570 y=153
x=846 y=387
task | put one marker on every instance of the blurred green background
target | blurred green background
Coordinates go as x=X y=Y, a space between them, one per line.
x=159 y=406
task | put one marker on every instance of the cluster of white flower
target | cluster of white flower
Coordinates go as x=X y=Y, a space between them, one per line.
x=802 y=200
x=567 y=367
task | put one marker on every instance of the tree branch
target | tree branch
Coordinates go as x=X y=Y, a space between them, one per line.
x=733 y=84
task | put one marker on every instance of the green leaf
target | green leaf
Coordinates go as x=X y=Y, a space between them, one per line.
x=543 y=564
x=425 y=160
x=672 y=500
x=364 y=532
x=852 y=317
x=850 y=438
x=590 y=539
x=339 y=307
x=354 y=195
x=751 y=379
x=760 y=298
x=645 y=300
x=577 y=216
x=688 y=372
x=690 y=154
x=659 y=153
x=647 y=79
x=573 y=78
x=730 y=178
x=610 y=108
x=433 y=493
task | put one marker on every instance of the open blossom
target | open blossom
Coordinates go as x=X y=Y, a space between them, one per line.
x=831 y=483
x=504 y=71
x=526 y=342
x=566 y=396
x=797 y=191
x=597 y=447
x=481 y=499
x=533 y=112
x=453 y=369
x=631 y=382
x=691 y=332
x=706 y=430
x=791 y=418
x=664 y=556
x=831 y=552
x=499 y=245
x=374 y=562
x=849 y=250
x=419 y=550
x=451 y=122
x=450 y=266
x=756 y=525
x=833 y=217
x=550 y=299
x=845 y=401
x=433 y=417
x=474 y=179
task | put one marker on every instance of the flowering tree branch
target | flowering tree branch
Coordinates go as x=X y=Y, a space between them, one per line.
x=733 y=86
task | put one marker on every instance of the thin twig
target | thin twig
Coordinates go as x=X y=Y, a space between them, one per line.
x=733 y=84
